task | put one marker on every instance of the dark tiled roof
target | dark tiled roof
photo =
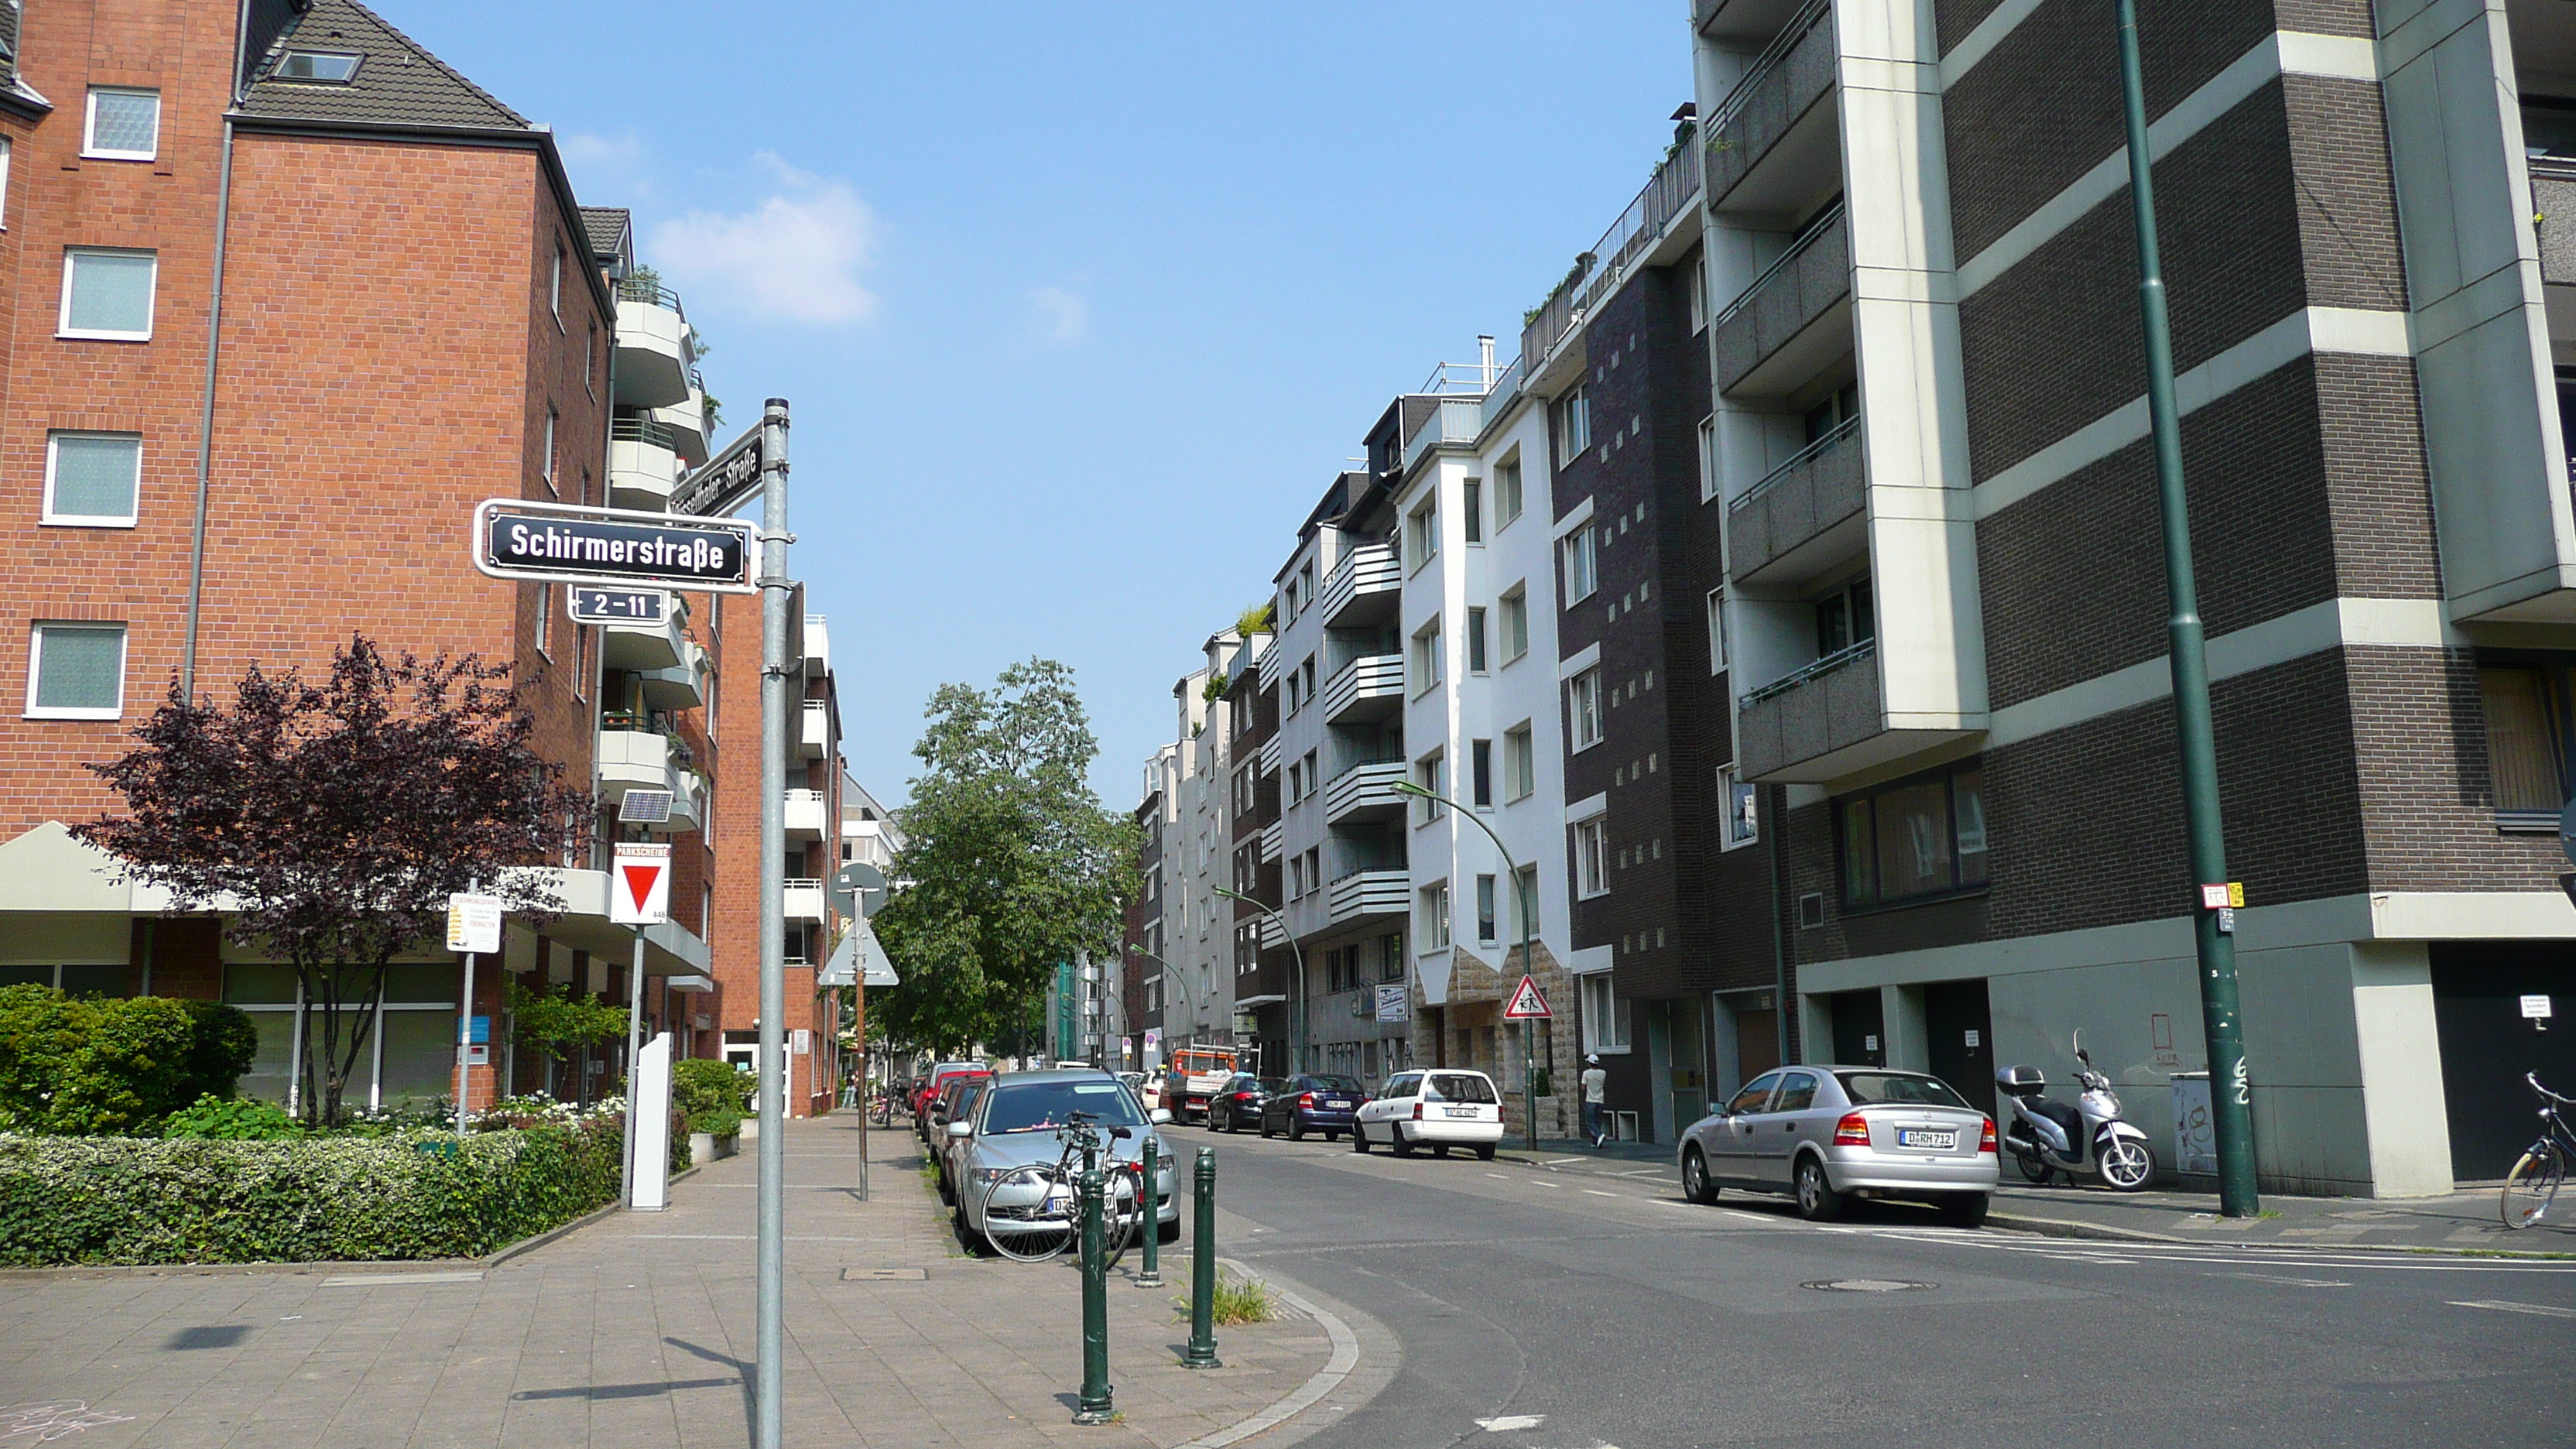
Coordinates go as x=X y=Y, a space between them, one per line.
x=400 y=83
x=608 y=227
x=9 y=38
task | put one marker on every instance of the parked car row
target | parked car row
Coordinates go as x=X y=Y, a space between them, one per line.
x=981 y=1127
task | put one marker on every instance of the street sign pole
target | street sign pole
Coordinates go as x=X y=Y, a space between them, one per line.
x=474 y=930
x=2230 y=1096
x=770 y=1348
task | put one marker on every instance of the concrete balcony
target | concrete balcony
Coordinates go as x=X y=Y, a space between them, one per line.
x=1455 y=421
x=1741 y=24
x=634 y=759
x=642 y=646
x=1774 y=140
x=1274 y=840
x=804 y=899
x=654 y=349
x=1793 y=320
x=1369 y=895
x=1807 y=516
x=1814 y=724
x=1269 y=756
x=1364 y=589
x=806 y=817
x=1365 y=792
x=688 y=803
x=678 y=686
x=643 y=464
x=1274 y=935
x=818 y=645
x=1370 y=687
x=814 y=730
x=687 y=420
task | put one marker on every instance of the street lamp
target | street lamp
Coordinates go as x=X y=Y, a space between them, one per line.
x=1171 y=974
x=1296 y=998
x=1529 y=961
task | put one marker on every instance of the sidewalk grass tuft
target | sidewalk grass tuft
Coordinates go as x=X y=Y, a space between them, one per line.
x=1236 y=1301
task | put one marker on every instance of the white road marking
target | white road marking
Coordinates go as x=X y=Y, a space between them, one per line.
x=1596 y=1192
x=2504 y=1305
x=2275 y=1278
x=382 y=1280
x=1499 y=1177
x=1511 y=1421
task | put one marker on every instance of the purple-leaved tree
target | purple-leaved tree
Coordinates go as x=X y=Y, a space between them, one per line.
x=330 y=822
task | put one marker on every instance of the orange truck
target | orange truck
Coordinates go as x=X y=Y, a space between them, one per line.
x=1195 y=1074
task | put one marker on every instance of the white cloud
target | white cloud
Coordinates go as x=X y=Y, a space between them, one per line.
x=1057 y=315
x=796 y=255
x=611 y=167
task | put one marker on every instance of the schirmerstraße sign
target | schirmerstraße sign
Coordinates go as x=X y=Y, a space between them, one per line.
x=565 y=543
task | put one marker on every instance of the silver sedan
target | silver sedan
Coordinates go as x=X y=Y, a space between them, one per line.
x=1827 y=1133
x=1018 y=1121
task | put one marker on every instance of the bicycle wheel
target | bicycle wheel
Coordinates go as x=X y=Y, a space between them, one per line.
x=1122 y=1204
x=2532 y=1185
x=1030 y=1214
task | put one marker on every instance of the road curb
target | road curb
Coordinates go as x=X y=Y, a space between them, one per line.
x=1345 y=1358
x=2096 y=1232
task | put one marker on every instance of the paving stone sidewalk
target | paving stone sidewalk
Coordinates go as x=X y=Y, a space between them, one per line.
x=635 y=1331
x=2456 y=1222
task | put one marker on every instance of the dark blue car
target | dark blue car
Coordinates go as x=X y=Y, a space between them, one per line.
x=1313 y=1102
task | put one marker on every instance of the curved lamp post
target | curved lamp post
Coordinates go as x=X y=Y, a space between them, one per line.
x=1296 y=997
x=1529 y=960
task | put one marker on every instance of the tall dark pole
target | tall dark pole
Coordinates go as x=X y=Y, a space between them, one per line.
x=2231 y=1112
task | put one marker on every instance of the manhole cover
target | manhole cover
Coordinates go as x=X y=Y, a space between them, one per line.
x=882 y=1275
x=1864 y=1285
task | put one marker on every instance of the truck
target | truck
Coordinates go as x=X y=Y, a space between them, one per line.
x=1194 y=1075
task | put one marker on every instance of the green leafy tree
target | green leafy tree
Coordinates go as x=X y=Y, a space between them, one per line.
x=1011 y=864
x=560 y=1023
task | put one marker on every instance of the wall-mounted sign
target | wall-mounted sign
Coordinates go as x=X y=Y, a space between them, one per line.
x=2536 y=1008
x=516 y=539
x=1394 y=1003
x=618 y=606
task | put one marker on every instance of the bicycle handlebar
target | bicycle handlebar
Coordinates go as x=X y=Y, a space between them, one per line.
x=2534 y=1079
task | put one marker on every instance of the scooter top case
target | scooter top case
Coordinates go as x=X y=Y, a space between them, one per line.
x=2021 y=1081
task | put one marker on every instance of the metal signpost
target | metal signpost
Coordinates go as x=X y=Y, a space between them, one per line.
x=770 y=1348
x=473 y=929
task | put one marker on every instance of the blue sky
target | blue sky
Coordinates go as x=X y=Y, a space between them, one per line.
x=1079 y=308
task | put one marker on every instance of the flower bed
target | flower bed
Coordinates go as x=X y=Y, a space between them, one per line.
x=421 y=1195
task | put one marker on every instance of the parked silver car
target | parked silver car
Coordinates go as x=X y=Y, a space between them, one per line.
x=1823 y=1133
x=1017 y=1123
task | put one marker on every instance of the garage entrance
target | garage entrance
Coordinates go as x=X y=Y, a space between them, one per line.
x=2487 y=1044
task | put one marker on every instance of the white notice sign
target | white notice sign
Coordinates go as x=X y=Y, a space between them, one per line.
x=473 y=923
x=801 y=1042
x=2535 y=1008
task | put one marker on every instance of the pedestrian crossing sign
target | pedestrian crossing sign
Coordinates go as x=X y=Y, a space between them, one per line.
x=1527 y=1003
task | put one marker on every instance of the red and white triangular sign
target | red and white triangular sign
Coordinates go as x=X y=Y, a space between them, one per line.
x=639 y=885
x=1527 y=1003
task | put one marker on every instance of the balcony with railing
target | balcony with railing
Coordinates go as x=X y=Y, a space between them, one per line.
x=1269 y=756
x=1774 y=139
x=1365 y=792
x=1603 y=270
x=1741 y=24
x=1369 y=894
x=680 y=685
x=638 y=754
x=643 y=463
x=687 y=420
x=1454 y=421
x=803 y=899
x=1804 y=516
x=806 y=817
x=818 y=644
x=654 y=347
x=814 y=730
x=1370 y=687
x=638 y=645
x=1364 y=589
x=1795 y=317
x=1807 y=717
x=1274 y=840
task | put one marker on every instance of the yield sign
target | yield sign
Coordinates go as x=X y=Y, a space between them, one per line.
x=639 y=884
x=1526 y=1003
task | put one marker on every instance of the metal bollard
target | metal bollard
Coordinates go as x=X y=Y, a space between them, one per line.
x=1152 y=1276
x=1095 y=1403
x=1202 y=1348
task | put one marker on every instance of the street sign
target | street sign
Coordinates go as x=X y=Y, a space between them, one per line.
x=473 y=923
x=724 y=482
x=639 y=884
x=1394 y=1003
x=566 y=543
x=618 y=606
x=1527 y=1003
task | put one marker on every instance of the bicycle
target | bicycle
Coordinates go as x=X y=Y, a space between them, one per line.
x=1037 y=1208
x=2533 y=1184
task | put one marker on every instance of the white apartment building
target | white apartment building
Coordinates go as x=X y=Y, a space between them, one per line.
x=1195 y=988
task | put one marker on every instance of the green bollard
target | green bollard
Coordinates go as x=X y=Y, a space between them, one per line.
x=1095 y=1404
x=1202 y=1349
x=1152 y=1277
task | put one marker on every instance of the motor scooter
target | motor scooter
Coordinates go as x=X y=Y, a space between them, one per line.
x=2089 y=1138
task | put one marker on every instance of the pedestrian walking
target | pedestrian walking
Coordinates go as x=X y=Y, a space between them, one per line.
x=1596 y=1087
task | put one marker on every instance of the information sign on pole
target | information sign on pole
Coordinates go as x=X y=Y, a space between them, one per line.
x=1527 y=1003
x=568 y=543
x=617 y=606
x=639 y=884
x=473 y=923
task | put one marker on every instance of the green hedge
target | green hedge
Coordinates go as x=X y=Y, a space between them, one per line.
x=136 y=1200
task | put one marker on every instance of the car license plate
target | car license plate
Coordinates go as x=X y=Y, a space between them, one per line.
x=1925 y=1137
x=1462 y=1111
x=1337 y=1105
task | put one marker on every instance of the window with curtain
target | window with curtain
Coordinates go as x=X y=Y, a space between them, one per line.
x=2526 y=743
x=1914 y=839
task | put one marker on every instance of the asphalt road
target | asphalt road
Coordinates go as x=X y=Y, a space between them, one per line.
x=1589 y=1307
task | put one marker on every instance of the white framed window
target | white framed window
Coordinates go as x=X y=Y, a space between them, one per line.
x=546 y=619
x=1708 y=458
x=1422 y=532
x=1605 y=1015
x=1695 y=278
x=92 y=479
x=1432 y=925
x=1743 y=826
x=1571 y=416
x=1428 y=663
x=1488 y=927
x=1507 y=491
x=1431 y=772
x=1314 y=869
x=1314 y=771
x=1476 y=641
x=1471 y=509
x=1526 y=901
x=1480 y=771
x=1583 y=708
x=1520 y=763
x=1515 y=606
x=1581 y=565
x=1592 y=857
x=554 y=285
x=1717 y=631
x=548 y=465
x=124 y=124
x=107 y=293
x=318 y=67
x=4 y=183
x=75 y=670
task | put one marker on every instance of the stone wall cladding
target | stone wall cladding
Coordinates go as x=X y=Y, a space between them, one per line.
x=2043 y=107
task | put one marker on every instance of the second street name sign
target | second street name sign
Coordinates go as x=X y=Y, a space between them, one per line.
x=563 y=543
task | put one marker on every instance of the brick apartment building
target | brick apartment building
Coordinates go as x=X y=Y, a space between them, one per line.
x=415 y=315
